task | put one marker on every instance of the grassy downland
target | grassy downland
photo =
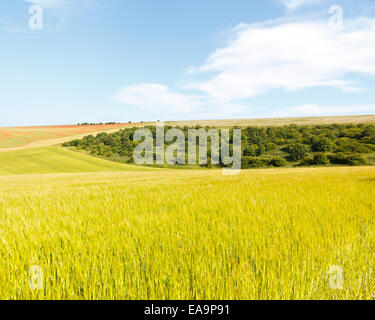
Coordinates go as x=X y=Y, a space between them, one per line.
x=264 y=234
x=276 y=122
x=13 y=137
x=55 y=160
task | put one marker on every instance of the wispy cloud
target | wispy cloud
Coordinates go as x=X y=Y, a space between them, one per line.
x=295 y=4
x=290 y=56
x=158 y=99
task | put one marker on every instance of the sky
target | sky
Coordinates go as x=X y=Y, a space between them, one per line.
x=146 y=60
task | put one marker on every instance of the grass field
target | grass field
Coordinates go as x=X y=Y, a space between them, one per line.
x=22 y=136
x=275 y=122
x=55 y=160
x=264 y=234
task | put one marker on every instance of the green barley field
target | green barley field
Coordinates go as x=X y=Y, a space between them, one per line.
x=55 y=160
x=121 y=232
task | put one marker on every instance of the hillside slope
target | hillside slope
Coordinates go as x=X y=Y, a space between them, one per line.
x=56 y=160
x=18 y=138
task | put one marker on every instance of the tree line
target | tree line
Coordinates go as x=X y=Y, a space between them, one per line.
x=293 y=145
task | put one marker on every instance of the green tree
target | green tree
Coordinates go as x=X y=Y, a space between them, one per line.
x=322 y=145
x=250 y=150
x=278 y=162
x=354 y=159
x=297 y=151
x=320 y=159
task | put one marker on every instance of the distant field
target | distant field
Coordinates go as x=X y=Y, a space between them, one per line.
x=55 y=160
x=264 y=234
x=49 y=135
x=276 y=122
x=31 y=137
x=22 y=136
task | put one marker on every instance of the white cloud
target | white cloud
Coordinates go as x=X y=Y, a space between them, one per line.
x=295 y=4
x=158 y=100
x=156 y=97
x=290 y=56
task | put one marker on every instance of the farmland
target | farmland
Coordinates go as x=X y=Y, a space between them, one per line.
x=265 y=234
x=54 y=159
x=100 y=229
x=35 y=136
x=32 y=137
x=276 y=122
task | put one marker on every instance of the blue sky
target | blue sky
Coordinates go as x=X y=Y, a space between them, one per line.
x=122 y=60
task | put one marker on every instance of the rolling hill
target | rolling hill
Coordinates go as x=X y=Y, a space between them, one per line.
x=56 y=160
x=18 y=138
x=14 y=138
x=276 y=122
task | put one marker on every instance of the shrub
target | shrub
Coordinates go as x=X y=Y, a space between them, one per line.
x=255 y=162
x=278 y=162
x=369 y=131
x=297 y=151
x=368 y=140
x=250 y=150
x=322 y=145
x=351 y=133
x=354 y=148
x=307 y=161
x=348 y=159
x=320 y=159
